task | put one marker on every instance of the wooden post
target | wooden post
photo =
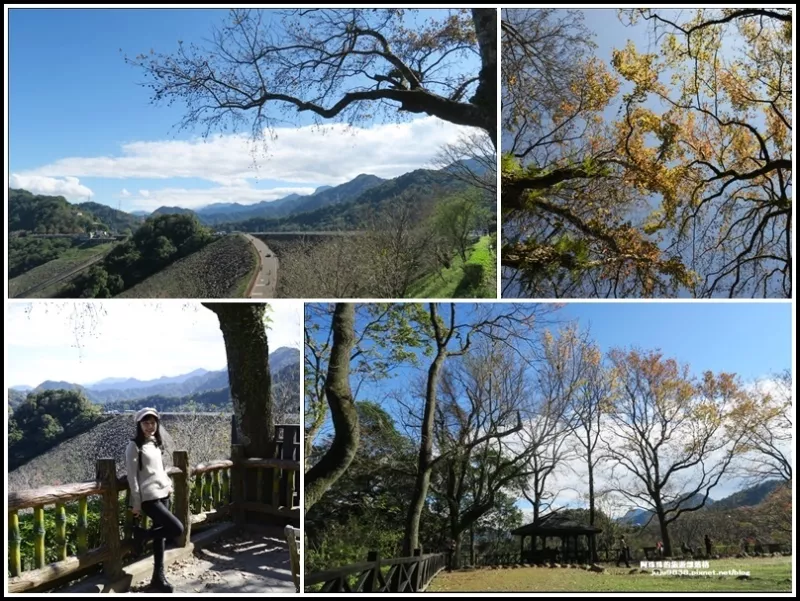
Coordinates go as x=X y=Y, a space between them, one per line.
x=290 y=484
x=372 y=579
x=197 y=486
x=109 y=517
x=226 y=487
x=208 y=503
x=61 y=531
x=415 y=581
x=14 y=560
x=182 y=508
x=83 y=525
x=260 y=485
x=38 y=537
x=128 y=516
x=275 y=498
x=215 y=489
x=237 y=482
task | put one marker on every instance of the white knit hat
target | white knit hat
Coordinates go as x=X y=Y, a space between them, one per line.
x=142 y=413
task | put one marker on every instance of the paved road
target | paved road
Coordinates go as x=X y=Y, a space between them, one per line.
x=267 y=276
x=243 y=564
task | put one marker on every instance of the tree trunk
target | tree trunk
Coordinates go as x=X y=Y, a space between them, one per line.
x=247 y=351
x=485 y=98
x=662 y=524
x=592 y=541
x=472 y=545
x=420 y=492
x=343 y=410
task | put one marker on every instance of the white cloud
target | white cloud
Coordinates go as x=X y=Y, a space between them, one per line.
x=195 y=198
x=330 y=155
x=67 y=186
x=145 y=193
x=125 y=193
x=139 y=339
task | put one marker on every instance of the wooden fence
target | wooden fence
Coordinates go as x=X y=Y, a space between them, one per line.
x=406 y=574
x=202 y=494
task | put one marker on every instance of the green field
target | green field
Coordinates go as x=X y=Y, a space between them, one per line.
x=68 y=261
x=766 y=575
x=222 y=269
x=453 y=282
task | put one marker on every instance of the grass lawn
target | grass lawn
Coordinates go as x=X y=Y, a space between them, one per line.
x=68 y=261
x=451 y=282
x=766 y=575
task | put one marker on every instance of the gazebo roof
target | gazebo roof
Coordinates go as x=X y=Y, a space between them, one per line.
x=555 y=525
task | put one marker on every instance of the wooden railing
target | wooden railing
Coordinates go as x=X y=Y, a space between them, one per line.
x=202 y=494
x=406 y=574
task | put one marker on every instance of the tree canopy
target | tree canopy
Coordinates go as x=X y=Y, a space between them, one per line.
x=343 y=64
x=685 y=191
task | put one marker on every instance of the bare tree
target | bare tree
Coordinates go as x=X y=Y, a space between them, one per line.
x=333 y=268
x=473 y=160
x=764 y=418
x=588 y=406
x=481 y=399
x=668 y=434
x=450 y=336
x=399 y=249
x=334 y=64
x=549 y=424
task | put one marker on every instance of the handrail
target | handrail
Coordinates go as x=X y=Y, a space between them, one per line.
x=202 y=494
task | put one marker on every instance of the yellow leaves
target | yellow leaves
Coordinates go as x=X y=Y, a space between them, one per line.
x=641 y=69
x=598 y=86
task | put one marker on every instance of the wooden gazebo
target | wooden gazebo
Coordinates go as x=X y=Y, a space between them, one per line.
x=571 y=547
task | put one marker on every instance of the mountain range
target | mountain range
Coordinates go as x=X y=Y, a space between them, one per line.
x=110 y=390
x=752 y=495
x=328 y=207
x=353 y=192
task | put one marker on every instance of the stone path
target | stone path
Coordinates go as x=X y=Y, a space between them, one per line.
x=239 y=564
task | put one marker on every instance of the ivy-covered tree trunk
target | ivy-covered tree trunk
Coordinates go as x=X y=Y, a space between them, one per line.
x=247 y=350
x=343 y=410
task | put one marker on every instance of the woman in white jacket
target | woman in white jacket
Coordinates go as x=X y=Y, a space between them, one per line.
x=151 y=488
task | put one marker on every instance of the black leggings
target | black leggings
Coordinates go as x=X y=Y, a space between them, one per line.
x=165 y=525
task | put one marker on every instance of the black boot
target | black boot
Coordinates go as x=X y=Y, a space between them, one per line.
x=139 y=539
x=159 y=581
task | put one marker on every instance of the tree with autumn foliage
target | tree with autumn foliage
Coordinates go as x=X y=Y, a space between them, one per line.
x=764 y=417
x=668 y=435
x=686 y=192
x=347 y=64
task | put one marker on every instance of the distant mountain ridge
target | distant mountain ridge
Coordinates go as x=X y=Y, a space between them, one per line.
x=117 y=389
x=46 y=214
x=752 y=495
x=421 y=188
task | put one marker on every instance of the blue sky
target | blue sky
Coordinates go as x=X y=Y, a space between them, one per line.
x=80 y=125
x=751 y=339
x=83 y=343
